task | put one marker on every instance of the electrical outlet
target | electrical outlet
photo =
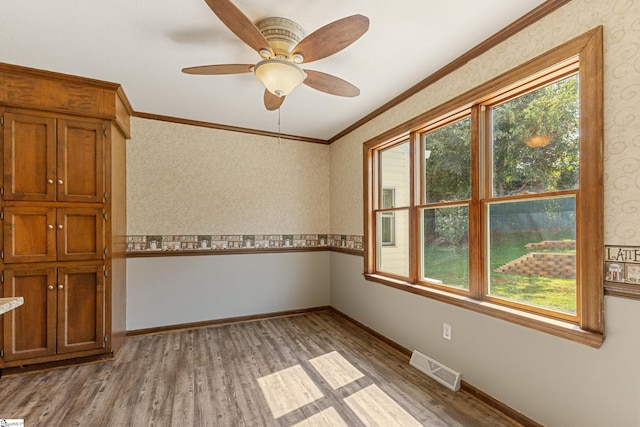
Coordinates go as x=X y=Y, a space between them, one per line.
x=446 y=331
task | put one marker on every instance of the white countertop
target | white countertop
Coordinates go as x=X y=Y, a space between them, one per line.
x=8 y=304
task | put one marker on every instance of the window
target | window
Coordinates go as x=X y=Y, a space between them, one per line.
x=444 y=208
x=393 y=215
x=494 y=201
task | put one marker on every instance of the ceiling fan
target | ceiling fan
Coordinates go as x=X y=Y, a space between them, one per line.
x=282 y=45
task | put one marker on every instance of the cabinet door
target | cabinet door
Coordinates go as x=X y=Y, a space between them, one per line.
x=80 y=234
x=29 y=330
x=29 y=234
x=80 y=176
x=29 y=157
x=81 y=305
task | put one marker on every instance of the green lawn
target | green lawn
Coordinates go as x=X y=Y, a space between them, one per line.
x=449 y=264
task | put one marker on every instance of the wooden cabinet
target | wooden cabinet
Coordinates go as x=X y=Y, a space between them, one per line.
x=30 y=332
x=29 y=234
x=40 y=233
x=29 y=157
x=48 y=159
x=62 y=245
x=64 y=313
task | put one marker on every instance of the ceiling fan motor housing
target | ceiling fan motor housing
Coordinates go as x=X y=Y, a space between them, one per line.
x=282 y=34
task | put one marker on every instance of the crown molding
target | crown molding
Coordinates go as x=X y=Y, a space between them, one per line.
x=227 y=128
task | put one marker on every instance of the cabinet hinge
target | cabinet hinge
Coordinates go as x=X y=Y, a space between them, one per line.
x=2 y=214
x=2 y=120
x=1 y=352
x=105 y=253
x=106 y=338
x=1 y=191
x=2 y=277
x=104 y=131
x=106 y=272
x=106 y=196
x=105 y=216
x=2 y=255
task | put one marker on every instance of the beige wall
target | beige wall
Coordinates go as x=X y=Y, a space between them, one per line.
x=188 y=180
x=185 y=179
x=549 y=379
x=347 y=186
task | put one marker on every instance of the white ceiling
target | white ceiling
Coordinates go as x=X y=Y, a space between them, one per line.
x=143 y=45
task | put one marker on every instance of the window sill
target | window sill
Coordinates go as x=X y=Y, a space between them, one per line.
x=540 y=323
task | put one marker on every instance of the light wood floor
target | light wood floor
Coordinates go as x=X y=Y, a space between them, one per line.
x=315 y=369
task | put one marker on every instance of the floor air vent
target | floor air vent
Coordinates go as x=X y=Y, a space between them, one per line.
x=436 y=370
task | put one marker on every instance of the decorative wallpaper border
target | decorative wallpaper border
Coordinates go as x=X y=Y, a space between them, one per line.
x=249 y=242
x=622 y=262
x=622 y=271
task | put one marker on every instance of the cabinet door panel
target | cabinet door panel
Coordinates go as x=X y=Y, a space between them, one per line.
x=80 y=234
x=80 y=161
x=29 y=330
x=29 y=157
x=29 y=234
x=81 y=307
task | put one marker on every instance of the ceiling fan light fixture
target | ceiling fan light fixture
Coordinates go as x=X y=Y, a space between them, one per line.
x=279 y=76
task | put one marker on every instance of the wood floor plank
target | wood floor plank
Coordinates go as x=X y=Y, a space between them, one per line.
x=212 y=376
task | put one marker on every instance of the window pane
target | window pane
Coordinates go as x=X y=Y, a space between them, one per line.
x=536 y=140
x=445 y=246
x=394 y=173
x=388 y=198
x=394 y=259
x=388 y=228
x=447 y=154
x=532 y=252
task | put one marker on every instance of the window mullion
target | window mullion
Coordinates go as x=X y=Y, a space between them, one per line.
x=414 y=180
x=371 y=179
x=477 y=282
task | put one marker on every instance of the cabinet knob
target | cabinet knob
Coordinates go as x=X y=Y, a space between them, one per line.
x=50 y=181
x=50 y=287
x=60 y=286
x=60 y=181
x=50 y=227
x=60 y=227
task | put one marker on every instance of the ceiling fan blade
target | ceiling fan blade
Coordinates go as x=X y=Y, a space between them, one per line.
x=208 y=70
x=330 y=84
x=332 y=38
x=239 y=24
x=271 y=101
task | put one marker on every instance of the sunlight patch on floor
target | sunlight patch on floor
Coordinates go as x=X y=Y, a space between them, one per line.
x=335 y=369
x=375 y=408
x=288 y=390
x=327 y=418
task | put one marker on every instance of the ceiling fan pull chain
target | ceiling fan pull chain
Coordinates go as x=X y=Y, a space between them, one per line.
x=279 y=133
